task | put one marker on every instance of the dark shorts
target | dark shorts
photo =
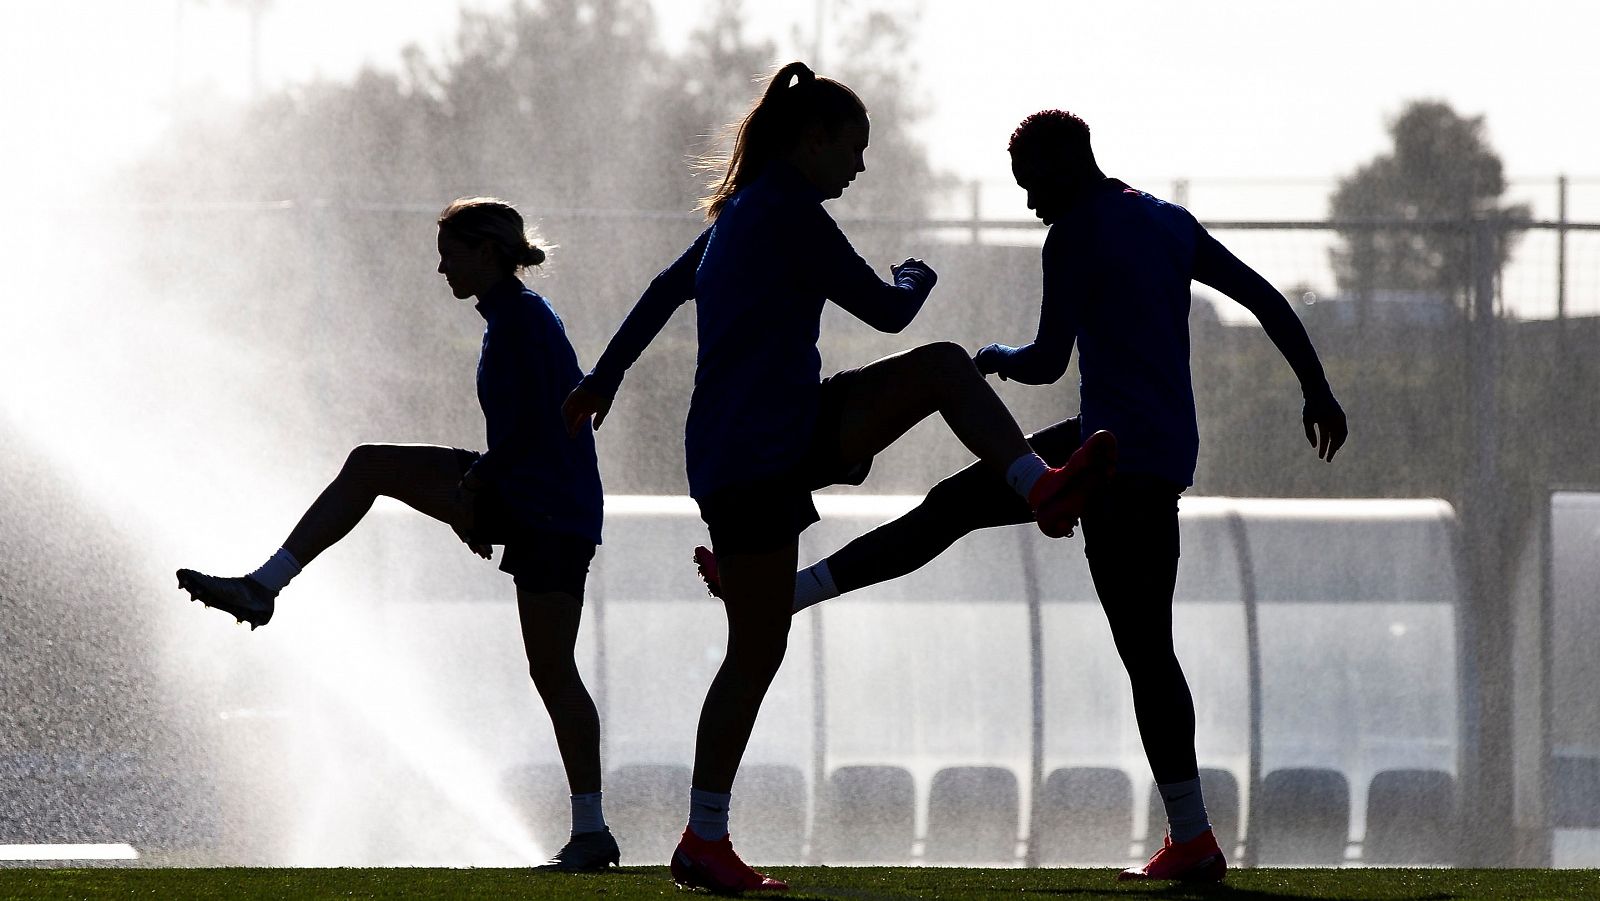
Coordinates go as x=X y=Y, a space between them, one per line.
x=539 y=560
x=767 y=513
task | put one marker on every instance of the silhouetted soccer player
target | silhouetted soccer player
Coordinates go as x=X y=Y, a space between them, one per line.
x=764 y=429
x=1117 y=268
x=535 y=490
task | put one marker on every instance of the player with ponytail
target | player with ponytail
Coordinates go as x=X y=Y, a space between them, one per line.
x=533 y=490
x=1118 y=264
x=765 y=429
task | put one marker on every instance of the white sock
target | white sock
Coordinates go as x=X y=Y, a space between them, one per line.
x=813 y=585
x=708 y=813
x=586 y=813
x=1186 y=809
x=1024 y=472
x=277 y=571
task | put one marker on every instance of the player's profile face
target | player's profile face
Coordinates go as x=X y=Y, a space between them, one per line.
x=836 y=156
x=1042 y=185
x=467 y=268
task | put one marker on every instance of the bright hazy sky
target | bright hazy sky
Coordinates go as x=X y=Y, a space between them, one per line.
x=1227 y=89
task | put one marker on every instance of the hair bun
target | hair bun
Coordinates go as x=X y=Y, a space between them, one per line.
x=532 y=255
x=801 y=73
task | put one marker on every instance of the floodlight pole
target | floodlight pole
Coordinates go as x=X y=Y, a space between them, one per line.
x=816 y=36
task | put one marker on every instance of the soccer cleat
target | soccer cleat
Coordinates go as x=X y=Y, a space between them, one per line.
x=706 y=562
x=1060 y=495
x=585 y=852
x=714 y=866
x=246 y=599
x=1196 y=860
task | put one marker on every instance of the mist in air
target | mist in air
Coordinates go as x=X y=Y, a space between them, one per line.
x=193 y=337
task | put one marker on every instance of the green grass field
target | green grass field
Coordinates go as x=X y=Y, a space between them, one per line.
x=852 y=883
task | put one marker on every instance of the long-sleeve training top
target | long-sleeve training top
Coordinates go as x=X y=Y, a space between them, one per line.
x=525 y=371
x=759 y=275
x=1117 y=267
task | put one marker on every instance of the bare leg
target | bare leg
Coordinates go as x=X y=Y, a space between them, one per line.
x=549 y=634
x=972 y=499
x=758 y=591
x=895 y=393
x=425 y=477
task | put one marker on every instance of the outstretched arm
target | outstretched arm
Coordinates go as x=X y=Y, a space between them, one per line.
x=670 y=289
x=1045 y=360
x=846 y=279
x=1322 y=416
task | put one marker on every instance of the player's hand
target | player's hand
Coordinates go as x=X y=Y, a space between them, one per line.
x=1325 y=425
x=465 y=519
x=581 y=406
x=918 y=270
x=477 y=547
x=989 y=358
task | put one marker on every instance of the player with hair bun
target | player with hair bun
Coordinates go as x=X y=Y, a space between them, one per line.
x=533 y=490
x=764 y=429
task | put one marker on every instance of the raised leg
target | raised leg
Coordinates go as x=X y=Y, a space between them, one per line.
x=890 y=396
x=425 y=477
x=974 y=498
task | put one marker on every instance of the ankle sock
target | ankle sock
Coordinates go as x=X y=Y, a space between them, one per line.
x=813 y=585
x=1186 y=809
x=708 y=813
x=586 y=813
x=277 y=571
x=1024 y=472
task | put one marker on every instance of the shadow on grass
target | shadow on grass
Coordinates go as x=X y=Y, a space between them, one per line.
x=1225 y=892
x=1299 y=886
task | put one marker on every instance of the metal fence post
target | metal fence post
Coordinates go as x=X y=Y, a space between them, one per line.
x=1488 y=787
x=1030 y=581
x=976 y=197
x=1561 y=251
x=1249 y=835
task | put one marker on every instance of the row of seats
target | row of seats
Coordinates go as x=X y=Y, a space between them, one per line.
x=1084 y=816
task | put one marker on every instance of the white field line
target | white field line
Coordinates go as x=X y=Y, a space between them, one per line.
x=68 y=852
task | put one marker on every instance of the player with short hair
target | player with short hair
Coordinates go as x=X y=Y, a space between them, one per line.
x=534 y=491
x=764 y=429
x=1117 y=269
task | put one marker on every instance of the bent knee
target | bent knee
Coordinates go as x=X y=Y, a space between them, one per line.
x=548 y=676
x=366 y=456
x=945 y=357
x=758 y=657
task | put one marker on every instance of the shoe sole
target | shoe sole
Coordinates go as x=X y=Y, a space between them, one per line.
x=684 y=876
x=187 y=582
x=1211 y=869
x=614 y=860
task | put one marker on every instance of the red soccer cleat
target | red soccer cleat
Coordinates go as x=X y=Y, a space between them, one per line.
x=706 y=562
x=1060 y=495
x=1196 y=860
x=713 y=865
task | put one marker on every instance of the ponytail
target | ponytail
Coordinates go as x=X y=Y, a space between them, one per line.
x=475 y=219
x=776 y=123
